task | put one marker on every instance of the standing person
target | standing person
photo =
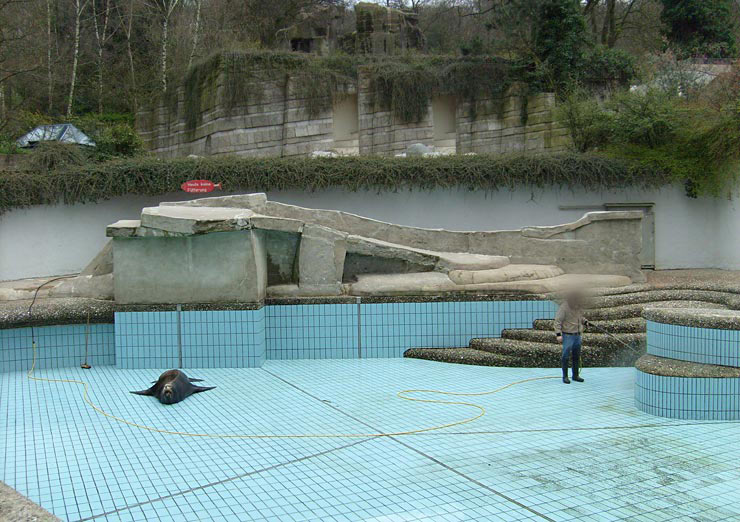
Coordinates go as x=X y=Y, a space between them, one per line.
x=569 y=324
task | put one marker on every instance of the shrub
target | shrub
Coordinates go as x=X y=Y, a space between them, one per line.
x=648 y=119
x=152 y=176
x=590 y=125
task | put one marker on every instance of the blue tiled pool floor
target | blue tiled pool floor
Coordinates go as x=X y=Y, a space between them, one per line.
x=543 y=451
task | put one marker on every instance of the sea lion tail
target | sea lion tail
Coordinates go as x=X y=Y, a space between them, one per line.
x=198 y=389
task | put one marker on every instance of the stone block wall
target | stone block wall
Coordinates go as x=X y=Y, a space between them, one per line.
x=272 y=125
x=278 y=123
x=509 y=125
x=380 y=131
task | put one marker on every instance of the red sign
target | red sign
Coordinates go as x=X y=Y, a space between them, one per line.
x=200 y=186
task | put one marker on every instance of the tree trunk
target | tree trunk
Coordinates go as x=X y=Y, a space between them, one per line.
x=50 y=77
x=196 y=33
x=134 y=101
x=163 y=78
x=2 y=105
x=132 y=70
x=609 y=30
x=75 y=58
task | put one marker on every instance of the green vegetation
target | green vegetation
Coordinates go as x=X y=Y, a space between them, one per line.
x=113 y=134
x=700 y=27
x=151 y=176
x=403 y=84
x=696 y=142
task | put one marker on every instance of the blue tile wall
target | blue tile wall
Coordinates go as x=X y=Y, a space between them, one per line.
x=389 y=329
x=57 y=346
x=246 y=338
x=146 y=340
x=210 y=339
x=701 y=345
x=316 y=331
x=223 y=339
x=692 y=398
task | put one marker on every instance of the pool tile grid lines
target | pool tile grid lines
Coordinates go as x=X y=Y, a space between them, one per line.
x=112 y=472
x=246 y=338
x=693 y=344
x=57 y=346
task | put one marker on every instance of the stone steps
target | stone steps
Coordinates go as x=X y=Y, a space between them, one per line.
x=619 y=314
x=635 y=310
x=654 y=296
x=464 y=356
x=599 y=340
x=629 y=325
x=522 y=354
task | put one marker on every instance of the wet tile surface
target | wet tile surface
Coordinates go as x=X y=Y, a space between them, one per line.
x=542 y=451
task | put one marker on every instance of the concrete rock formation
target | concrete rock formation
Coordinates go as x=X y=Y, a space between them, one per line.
x=244 y=248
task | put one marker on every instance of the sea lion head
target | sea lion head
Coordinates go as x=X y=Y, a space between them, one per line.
x=168 y=394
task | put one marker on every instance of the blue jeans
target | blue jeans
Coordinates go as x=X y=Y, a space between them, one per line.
x=571 y=345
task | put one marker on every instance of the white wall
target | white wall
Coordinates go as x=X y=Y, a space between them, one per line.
x=47 y=240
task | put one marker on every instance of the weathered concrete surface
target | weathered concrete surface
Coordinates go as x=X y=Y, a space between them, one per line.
x=123 y=228
x=216 y=267
x=90 y=286
x=321 y=260
x=195 y=220
x=507 y=273
x=695 y=317
x=675 y=368
x=102 y=263
x=14 y=507
x=436 y=282
x=464 y=261
x=438 y=261
x=255 y=201
x=320 y=250
x=45 y=311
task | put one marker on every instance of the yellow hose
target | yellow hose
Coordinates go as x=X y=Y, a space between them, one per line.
x=401 y=395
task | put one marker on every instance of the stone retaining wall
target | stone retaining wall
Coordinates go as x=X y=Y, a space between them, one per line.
x=276 y=121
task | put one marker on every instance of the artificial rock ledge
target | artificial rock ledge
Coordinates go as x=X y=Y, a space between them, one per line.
x=243 y=248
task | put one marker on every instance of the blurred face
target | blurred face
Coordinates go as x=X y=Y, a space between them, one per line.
x=574 y=300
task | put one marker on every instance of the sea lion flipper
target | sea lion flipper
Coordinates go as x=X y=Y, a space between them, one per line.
x=196 y=380
x=198 y=389
x=144 y=392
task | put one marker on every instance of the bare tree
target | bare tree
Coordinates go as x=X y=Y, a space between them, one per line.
x=616 y=15
x=79 y=7
x=196 y=32
x=102 y=23
x=16 y=31
x=164 y=8
x=49 y=74
x=126 y=17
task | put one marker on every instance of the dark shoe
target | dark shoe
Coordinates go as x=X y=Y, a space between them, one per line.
x=566 y=380
x=577 y=378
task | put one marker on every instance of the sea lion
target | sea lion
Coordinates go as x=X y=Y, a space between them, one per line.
x=173 y=386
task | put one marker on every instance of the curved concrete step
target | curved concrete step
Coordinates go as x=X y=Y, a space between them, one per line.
x=635 y=310
x=589 y=339
x=507 y=273
x=547 y=355
x=629 y=325
x=652 y=296
x=463 y=356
